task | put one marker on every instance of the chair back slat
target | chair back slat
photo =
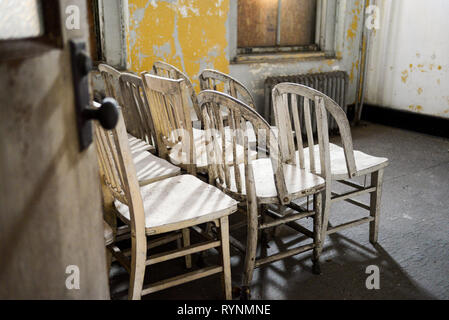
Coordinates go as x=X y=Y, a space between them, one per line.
x=111 y=78
x=171 y=118
x=166 y=70
x=298 y=130
x=323 y=136
x=302 y=115
x=222 y=163
x=211 y=79
x=309 y=129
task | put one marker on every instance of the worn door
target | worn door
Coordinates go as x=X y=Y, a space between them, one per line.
x=51 y=231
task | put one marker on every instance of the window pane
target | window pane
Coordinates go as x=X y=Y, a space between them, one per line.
x=20 y=19
x=297 y=22
x=257 y=23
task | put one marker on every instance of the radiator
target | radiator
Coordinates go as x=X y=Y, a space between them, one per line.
x=333 y=84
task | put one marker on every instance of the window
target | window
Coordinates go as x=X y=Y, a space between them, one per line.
x=28 y=28
x=20 y=20
x=276 y=26
x=93 y=18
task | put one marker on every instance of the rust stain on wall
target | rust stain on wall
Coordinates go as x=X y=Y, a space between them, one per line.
x=404 y=76
x=354 y=69
x=352 y=31
x=416 y=108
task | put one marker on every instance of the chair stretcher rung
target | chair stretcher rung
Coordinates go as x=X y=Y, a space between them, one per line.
x=237 y=244
x=285 y=254
x=299 y=207
x=351 y=194
x=355 y=202
x=294 y=225
x=120 y=257
x=349 y=225
x=184 y=278
x=352 y=184
x=165 y=256
x=289 y=218
x=151 y=244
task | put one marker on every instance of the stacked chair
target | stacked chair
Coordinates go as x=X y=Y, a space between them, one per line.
x=168 y=129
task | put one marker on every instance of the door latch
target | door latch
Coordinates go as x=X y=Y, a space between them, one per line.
x=107 y=114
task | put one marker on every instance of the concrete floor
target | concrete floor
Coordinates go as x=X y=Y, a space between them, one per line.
x=413 y=249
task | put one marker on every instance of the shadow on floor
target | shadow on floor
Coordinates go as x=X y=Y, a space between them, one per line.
x=344 y=264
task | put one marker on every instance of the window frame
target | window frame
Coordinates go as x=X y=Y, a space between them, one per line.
x=324 y=46
x=33 y=46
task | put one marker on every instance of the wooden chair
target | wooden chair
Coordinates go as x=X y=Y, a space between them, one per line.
x=219 y=81
x=162 y=207
x=163 y=69
x=179 y=142
x=343 y=162
x=266 y=180
x=111 y=77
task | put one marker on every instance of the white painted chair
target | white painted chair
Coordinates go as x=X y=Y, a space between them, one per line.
x=163 y=207
x=343 y=162
x=260 y=182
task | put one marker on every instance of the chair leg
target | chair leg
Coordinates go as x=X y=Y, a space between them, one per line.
x=317 y=232
x=326 y=211
x=251 y=250
x=226 y=258
x=138 y=258
x=376 y=181
x=186 y=243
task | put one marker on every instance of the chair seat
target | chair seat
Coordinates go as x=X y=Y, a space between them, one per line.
x=299 y=182
x=179 y=156
x=364 y=163
x=108 y=234
x=181 y=199
x=149 y=168
x=137 y=144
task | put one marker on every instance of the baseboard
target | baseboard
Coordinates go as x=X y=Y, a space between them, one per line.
x=406 y=120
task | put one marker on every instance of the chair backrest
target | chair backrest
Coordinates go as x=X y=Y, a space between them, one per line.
x=138 y=109
x=111 y=78
x=171 y=117
x=163 y=69
x=287 y=100
x=239 y=114
x=119 y=174
x=211 y=80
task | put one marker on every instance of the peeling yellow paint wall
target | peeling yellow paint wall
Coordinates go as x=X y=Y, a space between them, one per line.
x=190 y=34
